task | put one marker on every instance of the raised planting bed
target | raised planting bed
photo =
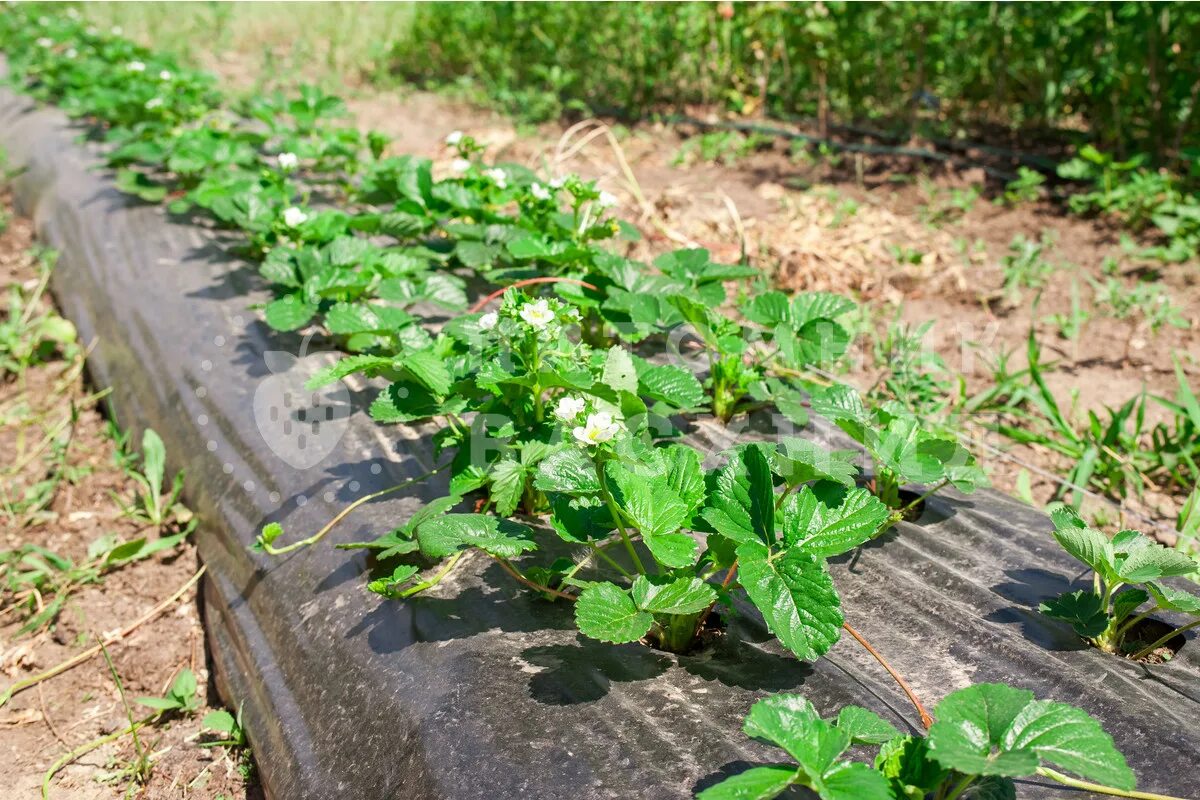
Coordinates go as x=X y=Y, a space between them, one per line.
x=480 y=688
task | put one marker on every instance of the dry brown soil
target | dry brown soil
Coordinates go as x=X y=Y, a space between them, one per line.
x=41 y=724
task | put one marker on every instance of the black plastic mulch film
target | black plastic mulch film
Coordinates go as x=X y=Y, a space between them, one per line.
x=479 y=690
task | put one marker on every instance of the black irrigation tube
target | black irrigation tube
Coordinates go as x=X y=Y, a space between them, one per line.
x=480 y=690
x=834 y=144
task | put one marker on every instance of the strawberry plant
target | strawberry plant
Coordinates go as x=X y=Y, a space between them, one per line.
x=900 y=449
x=1126 y=574
x=985 y=738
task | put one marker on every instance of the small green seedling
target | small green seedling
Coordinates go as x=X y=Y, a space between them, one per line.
x=181 y=698
x=1127 y=571
x=1025 y=188
x=985 y=737
x=40 y=581
x=32 y=332
x=228 y=726
x=151 y=505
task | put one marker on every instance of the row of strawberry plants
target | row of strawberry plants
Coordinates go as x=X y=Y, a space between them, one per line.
x=576 y=426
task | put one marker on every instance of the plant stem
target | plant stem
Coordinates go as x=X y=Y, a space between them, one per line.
x=143 y=763
x=436 y=579
x=316 y=537
x=960 y=787
x=527 y=282
x=616 y=515
x=926 y=719
x=927 y=494
x=511 y=570
x=1164 y=639
x=724 y=585
x=1099 y=788
x=84 y=749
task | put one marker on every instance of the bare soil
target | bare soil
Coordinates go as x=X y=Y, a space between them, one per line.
x=43 y=723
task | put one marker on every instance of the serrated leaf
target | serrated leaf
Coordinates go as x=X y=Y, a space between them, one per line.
x=652 y=505
x=606 y=612
x=580 y=519
x=993 y=729
x=905 y=762
x=672 y=550
x=429 y=370
x=800 y=461
x=447 y=534
x=816 y=528
x=1084 y=610
x=1172 y=599
x=671 y=384
x=1126 y=602
x=741 y=502
x=1146 y=560
x=508 y=485
x=567 y=470
x=662 y=594
x=864 y=726
x=390 y=585
x=756 y=783
x=768 y=309
x=790 y=722
x=1089 y=546
x=289 y=313
x=619 y=373
x=796 y=596
x=684 y=475
x=344 y=367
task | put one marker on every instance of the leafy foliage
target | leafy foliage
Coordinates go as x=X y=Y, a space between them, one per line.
x=985 y=736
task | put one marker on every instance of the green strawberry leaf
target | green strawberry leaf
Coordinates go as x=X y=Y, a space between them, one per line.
x=289 y=312
x=619 y=372
x=1171 y=599
x=605 y=611
x=662 y=594
x=993 y=729
x=741 y=500
x=800 y=461
x=1084 y=610
x=449 y=533
x=567 y=470
x=822 y=531
x=796 y=596
x=429 y=370
x=671 y=384
x=347 y=366
x=756 y=783
x=508 y=485
x=864 y=726
x=651 y=504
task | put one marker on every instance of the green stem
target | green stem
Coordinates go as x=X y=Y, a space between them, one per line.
x=934 y=490
x=1124 y=628
x=84 y=749
x=516 y=573
x=616 y=515
x=1164 y=639
x=1098 y=788
x=960 y=787
x=436 y=579
x=316 y=537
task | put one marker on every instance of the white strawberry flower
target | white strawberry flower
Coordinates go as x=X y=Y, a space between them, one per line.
x=557 y=183
x=294 y=217
x=599 y=427
x=460 y=165
x=607 y=200
x=153 y=103
x=537 y=315
x=288 y=161
x=117 y=30
x=71 y=52
x=538 y=191
x=569 y=407
x=454 y=138
x=45 y=41
x=498 y=176
x=135 y=66
x=488 y=321
x=165 y=75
